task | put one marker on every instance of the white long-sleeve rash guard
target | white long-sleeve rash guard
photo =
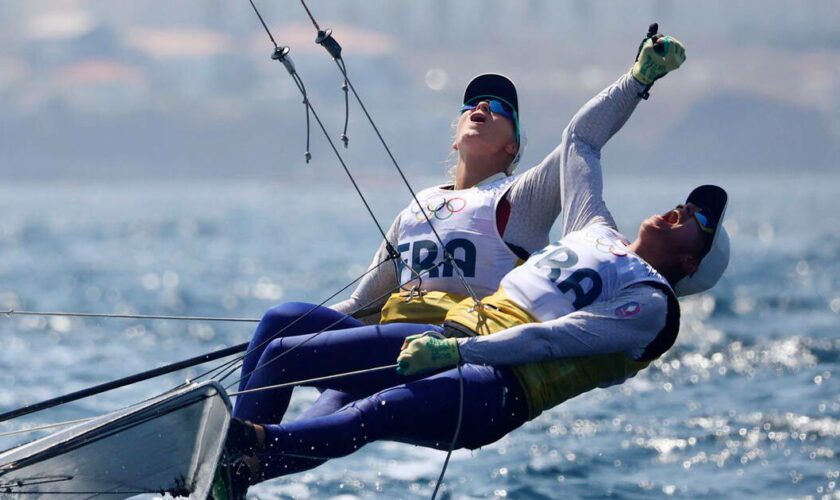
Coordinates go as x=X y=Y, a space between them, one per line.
x=596 y=329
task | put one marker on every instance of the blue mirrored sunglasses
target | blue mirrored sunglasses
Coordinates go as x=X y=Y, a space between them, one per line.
x=498 y=107
x=703 y=220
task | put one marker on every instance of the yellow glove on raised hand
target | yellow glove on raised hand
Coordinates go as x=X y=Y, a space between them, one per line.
x=659 y=56
x=424 y=353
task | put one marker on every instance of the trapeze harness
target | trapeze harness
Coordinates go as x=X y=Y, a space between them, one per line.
x=584 y=267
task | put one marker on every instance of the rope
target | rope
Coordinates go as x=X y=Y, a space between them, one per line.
x=455 y=435
x=108 y=386
x=46 y=426
x=334 y=49
x=295 y=321
x=12 y=312
x=310 y=380
x=328 y=42
x=312 y=336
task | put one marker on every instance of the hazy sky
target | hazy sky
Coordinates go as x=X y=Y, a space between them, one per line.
x=153 y=88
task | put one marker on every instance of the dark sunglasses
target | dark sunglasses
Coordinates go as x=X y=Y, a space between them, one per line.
x=497 y=107
x=703 y=220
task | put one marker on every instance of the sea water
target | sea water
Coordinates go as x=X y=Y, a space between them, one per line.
x=745 y=405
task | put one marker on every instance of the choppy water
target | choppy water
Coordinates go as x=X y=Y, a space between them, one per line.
x=744 y=406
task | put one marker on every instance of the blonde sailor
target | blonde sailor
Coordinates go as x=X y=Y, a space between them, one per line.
x=457 y=242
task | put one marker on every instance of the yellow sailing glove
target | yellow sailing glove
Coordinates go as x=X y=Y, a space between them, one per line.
x=427 y=352
x=658 y=56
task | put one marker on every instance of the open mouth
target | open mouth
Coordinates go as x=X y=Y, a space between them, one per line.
x=478 y=117
x=672 y=217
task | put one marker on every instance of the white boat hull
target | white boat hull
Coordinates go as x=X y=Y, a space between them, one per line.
x=169 y=443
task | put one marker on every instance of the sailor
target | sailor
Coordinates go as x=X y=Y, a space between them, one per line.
x=588 y=311
x=488 y=220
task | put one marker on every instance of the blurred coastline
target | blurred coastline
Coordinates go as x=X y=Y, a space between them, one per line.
x=155 y=89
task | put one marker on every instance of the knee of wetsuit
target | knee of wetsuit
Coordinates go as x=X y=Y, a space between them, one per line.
x=281 y=315
x=272 y=350
x=377 y=410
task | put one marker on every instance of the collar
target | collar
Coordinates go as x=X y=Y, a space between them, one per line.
x=493 y=178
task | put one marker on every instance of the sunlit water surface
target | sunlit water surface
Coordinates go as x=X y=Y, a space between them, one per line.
x=744 y=406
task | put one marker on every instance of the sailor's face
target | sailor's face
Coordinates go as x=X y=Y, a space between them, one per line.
x=481 y=128
x=678 y=229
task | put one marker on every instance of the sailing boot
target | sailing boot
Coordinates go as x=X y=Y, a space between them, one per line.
x=241 y=438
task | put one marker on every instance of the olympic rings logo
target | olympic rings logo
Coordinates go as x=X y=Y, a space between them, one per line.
x=606 y=246
x=440 y=208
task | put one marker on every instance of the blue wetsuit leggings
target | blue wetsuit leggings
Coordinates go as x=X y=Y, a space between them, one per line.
x=359 y=409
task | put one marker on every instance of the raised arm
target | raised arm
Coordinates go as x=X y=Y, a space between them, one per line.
x=572 y=170
x=596 y=122
x=581 y=181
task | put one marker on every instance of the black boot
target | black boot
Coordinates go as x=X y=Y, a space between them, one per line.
x=241 y=438
x=233 y=476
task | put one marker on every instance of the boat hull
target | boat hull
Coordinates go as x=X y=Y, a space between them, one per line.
x=169 y=443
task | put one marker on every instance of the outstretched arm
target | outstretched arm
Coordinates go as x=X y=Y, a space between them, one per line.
x=596 y=122
x=569 y=178
x=625 y=324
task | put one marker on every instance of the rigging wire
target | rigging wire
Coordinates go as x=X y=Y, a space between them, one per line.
x=299 y=318
x=455 y=434
x=326 y=39
x=66 y=423
x=281 y=54
x=236 y=363
x=334 y=49
x=115 y=384
x=27 y=430
x=156 y=372
x=315 y=379
x=312 y=336
x=230 y=367
x=13 y=312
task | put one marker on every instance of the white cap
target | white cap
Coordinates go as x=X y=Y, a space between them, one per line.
x=712 y=200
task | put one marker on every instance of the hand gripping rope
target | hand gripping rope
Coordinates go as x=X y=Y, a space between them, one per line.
x=653 y=29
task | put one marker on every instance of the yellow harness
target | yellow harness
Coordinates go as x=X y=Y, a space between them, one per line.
x=547 y=383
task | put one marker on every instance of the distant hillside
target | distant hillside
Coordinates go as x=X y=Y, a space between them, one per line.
x=722 y=132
